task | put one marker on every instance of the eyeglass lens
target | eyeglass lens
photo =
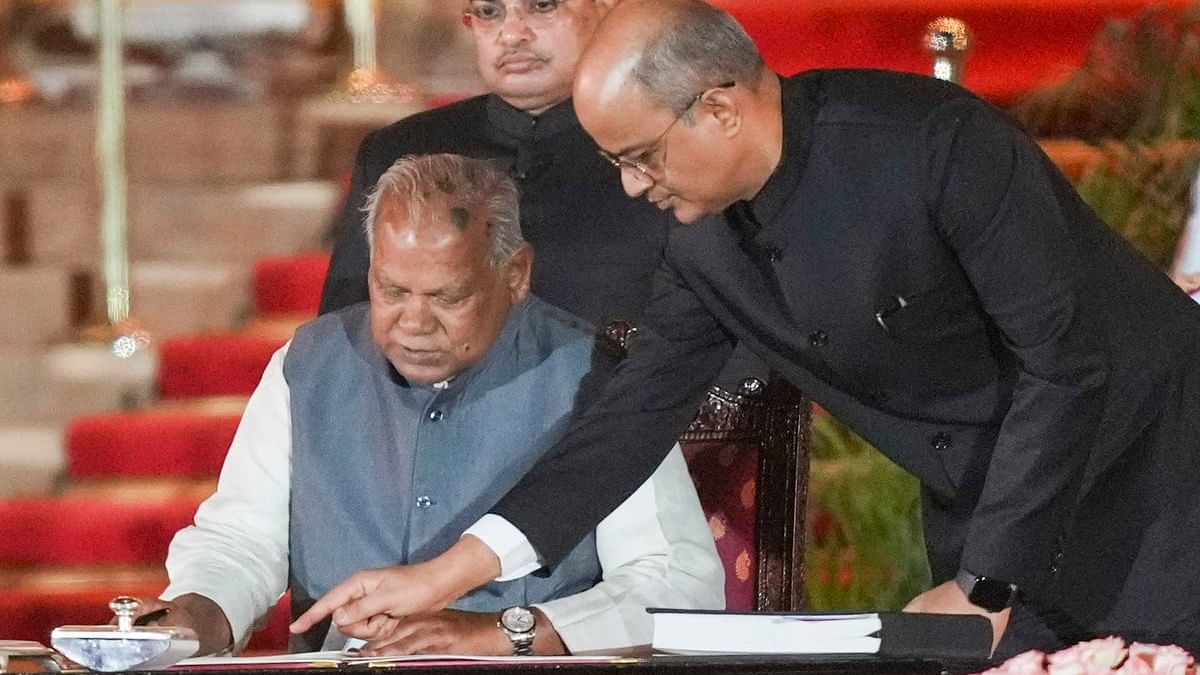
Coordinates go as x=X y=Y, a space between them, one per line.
x=488 y=14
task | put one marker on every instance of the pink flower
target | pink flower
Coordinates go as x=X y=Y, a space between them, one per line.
x=1165 y=659
x=1135 y=665
x=1071 y=667
x=1103 y=654
x=1067 y=661
x=1032 y=662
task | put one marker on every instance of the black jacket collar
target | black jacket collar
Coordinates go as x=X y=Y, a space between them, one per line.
x=513 y=126
x=798 y=102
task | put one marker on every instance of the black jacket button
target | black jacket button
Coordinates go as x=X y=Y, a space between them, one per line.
x=941 y=441
x=772 y=253
x=818 y=338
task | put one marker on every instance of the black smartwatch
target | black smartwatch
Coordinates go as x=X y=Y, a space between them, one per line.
x=986 y=592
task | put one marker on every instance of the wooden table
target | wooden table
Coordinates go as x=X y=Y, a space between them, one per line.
x=655 y=665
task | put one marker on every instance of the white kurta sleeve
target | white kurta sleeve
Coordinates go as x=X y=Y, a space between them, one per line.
x=516 y=554
x=236 y=553
x=655 y=550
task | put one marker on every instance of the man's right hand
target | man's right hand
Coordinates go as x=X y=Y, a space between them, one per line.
x=196 y=612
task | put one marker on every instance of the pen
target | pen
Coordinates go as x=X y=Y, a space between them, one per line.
x=151 y=617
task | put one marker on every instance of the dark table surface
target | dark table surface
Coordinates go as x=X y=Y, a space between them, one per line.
x=666 y=665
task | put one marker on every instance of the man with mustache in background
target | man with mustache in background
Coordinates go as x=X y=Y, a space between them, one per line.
x=596 y=249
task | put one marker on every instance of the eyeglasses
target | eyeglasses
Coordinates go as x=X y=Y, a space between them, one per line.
x=488 y=16
x=640 y=164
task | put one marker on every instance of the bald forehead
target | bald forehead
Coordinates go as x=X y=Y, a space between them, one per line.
x=436 y=221
x=608 y=66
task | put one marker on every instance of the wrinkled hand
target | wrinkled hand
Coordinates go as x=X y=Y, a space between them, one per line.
x=192 y=611
x=369 y=603
x=948 y=598
x=449 y=631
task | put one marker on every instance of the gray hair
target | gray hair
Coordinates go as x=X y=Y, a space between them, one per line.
x=466 y=184
x=699 y=47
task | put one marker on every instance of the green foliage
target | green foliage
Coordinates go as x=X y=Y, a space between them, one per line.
x=1140 y=84
x=865 y=549
x=1144 y=193
x=1141 y=81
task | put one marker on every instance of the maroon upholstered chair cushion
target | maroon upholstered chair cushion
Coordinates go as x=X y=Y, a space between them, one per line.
x=725 y=474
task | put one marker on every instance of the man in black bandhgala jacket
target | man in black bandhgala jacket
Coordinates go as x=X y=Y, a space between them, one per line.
x=906 y=256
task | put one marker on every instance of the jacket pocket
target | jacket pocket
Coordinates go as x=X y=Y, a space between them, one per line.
x=941 y=313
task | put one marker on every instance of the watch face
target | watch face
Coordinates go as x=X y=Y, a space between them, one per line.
x=992 y=594
x=517 y=619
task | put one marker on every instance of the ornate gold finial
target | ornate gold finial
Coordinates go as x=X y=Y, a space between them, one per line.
x=366 y=83
x=15 y=87
x=948 y=40
x=16 y=90
x=371 y=85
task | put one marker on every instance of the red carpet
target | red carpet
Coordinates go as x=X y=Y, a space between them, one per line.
x=32 y=611
x=89 y=531
x=227 y=364
x=289 y=284
x=148 y=444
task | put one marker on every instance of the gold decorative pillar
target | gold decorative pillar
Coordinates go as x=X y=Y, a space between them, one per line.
x=110 y=162
x=366 y=81
x=948 y=41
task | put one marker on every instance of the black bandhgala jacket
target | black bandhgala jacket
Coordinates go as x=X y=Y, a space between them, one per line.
x=920 y=268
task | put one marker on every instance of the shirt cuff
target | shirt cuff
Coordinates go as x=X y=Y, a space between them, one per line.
x=516 y=554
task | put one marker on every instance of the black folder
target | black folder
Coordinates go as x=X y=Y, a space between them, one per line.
x=948 y=636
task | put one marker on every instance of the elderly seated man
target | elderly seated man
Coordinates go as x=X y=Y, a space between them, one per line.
x=371 y=441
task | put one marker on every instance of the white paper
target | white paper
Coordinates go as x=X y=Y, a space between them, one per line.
x=343 y=657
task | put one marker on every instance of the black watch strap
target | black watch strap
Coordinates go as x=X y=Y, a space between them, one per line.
x=986 y=592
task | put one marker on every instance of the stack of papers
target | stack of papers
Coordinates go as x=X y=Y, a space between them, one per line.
x=338 y=658
x=701 y=632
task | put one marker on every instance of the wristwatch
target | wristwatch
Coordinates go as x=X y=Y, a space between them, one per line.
x=517 y=623
x=986 y=592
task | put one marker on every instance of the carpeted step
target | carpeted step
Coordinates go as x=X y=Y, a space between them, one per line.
x=31 y=460
x=32 y=603
x=215 y=223
x=154 y=443
x=178 y=297
x=224 y=364
x=86 y=377
x=81 y=530
x=279 y=326
x=289 y=285
x=36 y=305
x=26 y=394
x=132 y=490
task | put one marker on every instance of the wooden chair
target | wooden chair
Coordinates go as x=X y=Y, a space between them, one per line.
x=748 y=455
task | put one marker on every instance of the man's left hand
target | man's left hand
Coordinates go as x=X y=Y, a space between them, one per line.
x=948 y=598
x=449 y=631
x=380 y=598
